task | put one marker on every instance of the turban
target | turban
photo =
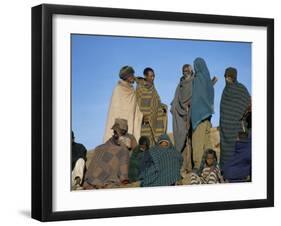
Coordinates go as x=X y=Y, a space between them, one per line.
x=126 y=72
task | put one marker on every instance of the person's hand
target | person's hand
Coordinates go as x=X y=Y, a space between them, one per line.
x=214 y=80
x=77 y=180
x=145 y=118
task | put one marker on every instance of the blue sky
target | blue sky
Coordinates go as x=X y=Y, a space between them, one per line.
x=96 y=61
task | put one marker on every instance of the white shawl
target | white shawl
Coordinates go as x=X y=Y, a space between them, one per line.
x=124 y=105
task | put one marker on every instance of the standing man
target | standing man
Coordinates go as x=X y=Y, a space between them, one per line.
x=202 y=103
x=154 y=121
x=180 y=109
x=234 y=103
x=124 y=104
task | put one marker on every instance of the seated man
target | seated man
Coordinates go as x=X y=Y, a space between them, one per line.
x=109 y=163
x=125 y=138
x=163 y=167
x=78 y=158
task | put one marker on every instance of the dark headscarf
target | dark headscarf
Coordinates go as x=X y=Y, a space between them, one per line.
x=126 y=72
x=231 y=72
x=202 y=101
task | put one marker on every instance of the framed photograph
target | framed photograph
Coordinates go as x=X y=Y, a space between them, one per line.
x=139 y=112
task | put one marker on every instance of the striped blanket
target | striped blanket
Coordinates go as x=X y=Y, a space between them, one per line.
x=163 y=167
x=152 y=108
x=234 y=102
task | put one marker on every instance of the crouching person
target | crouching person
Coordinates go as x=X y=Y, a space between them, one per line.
x=109 y=165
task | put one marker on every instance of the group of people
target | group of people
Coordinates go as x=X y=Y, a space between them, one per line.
x=137 y=150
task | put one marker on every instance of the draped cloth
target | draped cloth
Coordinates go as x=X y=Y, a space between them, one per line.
x=124 y=105
x=234 y=102
x=150 y=105
x=238 y=167
x=202 y=101
x=164 y=166
x=134 y=165
x=77 y=151
x=180 y=109
x=109 y=165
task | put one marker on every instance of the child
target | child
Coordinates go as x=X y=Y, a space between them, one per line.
x=138 y=155
x=210 y=172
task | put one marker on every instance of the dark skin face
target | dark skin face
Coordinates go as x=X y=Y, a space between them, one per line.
x=149 y=77
x=115 y=135
x=130 y=79
x=210 y=160
x=164 y=144
x=229 y=80
x=187 y=71
x=143 y=147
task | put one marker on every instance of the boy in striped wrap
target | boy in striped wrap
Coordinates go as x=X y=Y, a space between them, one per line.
x=209 y=172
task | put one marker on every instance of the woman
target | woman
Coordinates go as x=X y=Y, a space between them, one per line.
x=202 y=108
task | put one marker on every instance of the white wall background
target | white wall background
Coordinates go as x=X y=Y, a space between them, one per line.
x=15 y=113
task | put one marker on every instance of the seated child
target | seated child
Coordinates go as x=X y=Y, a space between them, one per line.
x=138 y=155
x=210 y=171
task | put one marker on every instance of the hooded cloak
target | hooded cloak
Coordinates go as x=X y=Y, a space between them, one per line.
x=165 y=164
x=202 y=101
x=234 y=102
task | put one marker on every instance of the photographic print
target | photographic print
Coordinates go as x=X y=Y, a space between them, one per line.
x=159 y=112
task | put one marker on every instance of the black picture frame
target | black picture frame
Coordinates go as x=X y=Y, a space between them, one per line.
x=42 y=111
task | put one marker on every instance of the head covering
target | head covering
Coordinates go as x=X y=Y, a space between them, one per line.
x=234 y=103
x=144 y=140
x=120 y=124
x=126 y=72
x=231 y=72
x=164 y=137
x=202 y=101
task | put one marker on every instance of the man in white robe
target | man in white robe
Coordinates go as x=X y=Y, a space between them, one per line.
x=124 y=105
